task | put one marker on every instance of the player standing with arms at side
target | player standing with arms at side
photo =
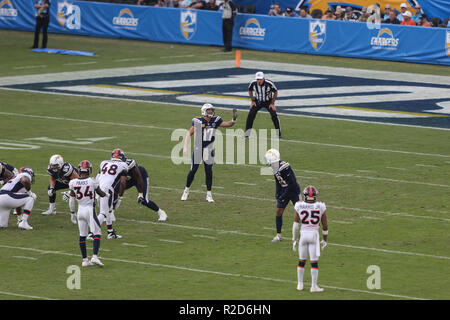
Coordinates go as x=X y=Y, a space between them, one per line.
x=111 y=173
x=311 y=213
x=205 y=126
x=287 y=188
x=82 y=189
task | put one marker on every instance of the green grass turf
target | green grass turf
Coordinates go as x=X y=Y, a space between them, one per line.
x=395 y=219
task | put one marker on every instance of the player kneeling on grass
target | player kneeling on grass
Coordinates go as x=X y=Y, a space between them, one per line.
x=310 y=213
x=82 y=189
x=16 y=193
x=287 y=188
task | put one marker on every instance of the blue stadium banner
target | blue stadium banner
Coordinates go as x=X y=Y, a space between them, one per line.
x=261 y=32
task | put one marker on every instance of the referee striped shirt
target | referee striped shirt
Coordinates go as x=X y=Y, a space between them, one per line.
x=264 y=92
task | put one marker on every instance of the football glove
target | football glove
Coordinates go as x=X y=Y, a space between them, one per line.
x=294 y=246
x=65 y=196
x=32 y=194
x=234 y=115
x=50 y=192
x=324 y=244
x=119 y=200
x=141 y=199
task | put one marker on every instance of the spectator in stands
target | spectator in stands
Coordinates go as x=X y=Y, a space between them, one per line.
x=329 y=15
x=392 y=19
x=290 y=12
x=387 y=10
x=350 y=15
x=403 y=8
x=365 y=14
x=275 y=10
x=174 y=4
x=417 y=14
x=407 y=21
x=186 y=3
x=197 y=4
x=211 y=5
x=160 y=3
x=423 y=21
x=339 y=14
x=145 y=2
x=304 y=13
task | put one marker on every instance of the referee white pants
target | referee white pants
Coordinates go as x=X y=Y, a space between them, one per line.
x=87 y=219
x=309 y=243
x=10 y=200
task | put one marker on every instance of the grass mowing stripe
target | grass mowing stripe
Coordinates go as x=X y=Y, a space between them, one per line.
x=226 y=274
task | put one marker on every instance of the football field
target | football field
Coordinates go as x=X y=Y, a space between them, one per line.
x=372 y=136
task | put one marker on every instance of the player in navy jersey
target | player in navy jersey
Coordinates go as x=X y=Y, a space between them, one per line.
x=7 y=171
x=137 y=176
x=287 y=188
x=60 y=175
x=204 y=146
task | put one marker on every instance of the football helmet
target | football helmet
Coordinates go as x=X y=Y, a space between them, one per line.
x=85 y=167
x=205 y=109
x=56 y=162
x=118 y=154
x=310 y=194
x=272 y=155
x=29 y=171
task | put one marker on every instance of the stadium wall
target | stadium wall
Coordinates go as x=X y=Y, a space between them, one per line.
x=259 y=32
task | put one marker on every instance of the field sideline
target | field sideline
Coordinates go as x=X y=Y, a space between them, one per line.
x=386 y=185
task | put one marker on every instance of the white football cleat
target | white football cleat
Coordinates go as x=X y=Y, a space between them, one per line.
x=209 y=198
x=24 y=225
x=90 y=236
x=113 y=235
x=316 y=289
x=300 y=286
x=73 y=218
x=162 y=215
x=185 y=194
x=49 y=212
x=277 y=238
x=86 y=263
x=96 y=260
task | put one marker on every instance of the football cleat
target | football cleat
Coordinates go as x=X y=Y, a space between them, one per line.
x=86 y=263
x=24 y=225
x=300 y=286
x=162 y=215
x=73 y=218
x=49 y=212
x=96 y=260
x=185 y=195
x=209 y=198
x=316 y=289
x=277 y=238
x=113 y=235
x=90 y=236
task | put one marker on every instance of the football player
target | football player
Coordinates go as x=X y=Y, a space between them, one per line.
x=311 y=213
x=205 y=126
x=60 y=173
x=7 y=171
x=17 y=193
x=82 y=189
x=287 y=188
x=137 y=176
x=111 y=173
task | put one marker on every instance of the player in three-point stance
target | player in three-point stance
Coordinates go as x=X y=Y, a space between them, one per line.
x=82 y=189
x=7 y=171
x=15 y=194
x=60 y=175
x=287 y=188
x=205 y=126
x=309 y=213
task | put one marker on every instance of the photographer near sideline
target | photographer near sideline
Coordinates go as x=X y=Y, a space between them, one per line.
x=42 y=22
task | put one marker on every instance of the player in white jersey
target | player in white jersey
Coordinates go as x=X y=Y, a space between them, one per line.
x=310 y=214
x=82 y=189
x=111 y=173
x=16 y=193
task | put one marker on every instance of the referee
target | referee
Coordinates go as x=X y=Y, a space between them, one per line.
x=42 y=22
x=263 y=93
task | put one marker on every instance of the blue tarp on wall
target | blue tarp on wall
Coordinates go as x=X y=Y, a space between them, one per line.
x=261 y=32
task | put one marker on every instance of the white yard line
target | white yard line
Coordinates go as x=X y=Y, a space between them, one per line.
x=23 y=257
x=395 y=168
x=79 y=63
x=171 y=241
x=426 y=165
x=245 y=183
x=134 y=245
x=29 y=67
x=25 y=296
x=225 y=274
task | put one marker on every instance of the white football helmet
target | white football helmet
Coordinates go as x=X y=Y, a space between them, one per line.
x=272 y=155
x=205 y=109
x=56 y=160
